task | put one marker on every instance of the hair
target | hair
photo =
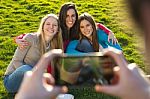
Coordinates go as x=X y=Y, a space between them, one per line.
x=89 y=18
x=72 y=33
x=56 y=42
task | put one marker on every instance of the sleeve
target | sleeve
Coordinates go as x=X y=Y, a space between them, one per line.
x=71 y=48
x=18 y=58
x=20 y=36
x=104 y=28
x=102 y=36
x=103 y=40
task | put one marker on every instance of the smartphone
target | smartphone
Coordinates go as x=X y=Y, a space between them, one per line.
x=85 y=69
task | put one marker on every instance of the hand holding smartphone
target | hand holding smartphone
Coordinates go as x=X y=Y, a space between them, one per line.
x=85 y=69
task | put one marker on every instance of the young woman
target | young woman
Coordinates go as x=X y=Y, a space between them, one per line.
x=68 y=17
x=47 y=37
x=92 y=39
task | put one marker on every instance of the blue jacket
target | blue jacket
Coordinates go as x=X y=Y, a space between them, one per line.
x=102 y=40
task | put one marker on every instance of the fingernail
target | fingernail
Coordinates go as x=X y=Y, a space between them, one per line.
x=97 y=87
x=64 y=89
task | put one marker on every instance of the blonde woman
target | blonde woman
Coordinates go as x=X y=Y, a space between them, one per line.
x=47 y=37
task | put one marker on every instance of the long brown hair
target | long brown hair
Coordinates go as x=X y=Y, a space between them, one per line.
x=88 y=17
x=72 y=33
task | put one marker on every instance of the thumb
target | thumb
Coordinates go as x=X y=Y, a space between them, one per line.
x=45 y=59
x=57 y=90
x=108 y=39
x=111 y=90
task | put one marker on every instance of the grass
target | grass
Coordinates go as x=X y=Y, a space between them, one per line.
x=23 y=16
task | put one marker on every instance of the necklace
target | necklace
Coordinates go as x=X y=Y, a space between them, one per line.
x=47 y=46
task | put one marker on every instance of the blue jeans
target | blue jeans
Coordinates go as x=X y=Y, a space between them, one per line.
x=13 y=81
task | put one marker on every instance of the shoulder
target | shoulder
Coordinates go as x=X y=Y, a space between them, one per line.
x=98 y=31
x=73 y=42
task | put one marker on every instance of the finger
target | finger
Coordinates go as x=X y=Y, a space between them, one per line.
x=108 y=39
x=117 y=56
x=24 y=43
x=45 y=60
x=48 y=79
x=112 y=40
x=22 y=40
x=57 y=90
x=111 y=90
x=116 y=77
x=116 y=41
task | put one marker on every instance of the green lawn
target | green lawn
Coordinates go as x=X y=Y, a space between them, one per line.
x=23 y=16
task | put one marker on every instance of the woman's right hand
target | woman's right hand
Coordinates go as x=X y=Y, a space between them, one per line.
x=40 y=85
x=131 y=82
x=22 y=44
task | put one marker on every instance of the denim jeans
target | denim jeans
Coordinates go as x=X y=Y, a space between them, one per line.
x=13 y=81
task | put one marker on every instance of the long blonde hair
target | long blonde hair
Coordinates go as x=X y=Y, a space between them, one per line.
x=56 y=42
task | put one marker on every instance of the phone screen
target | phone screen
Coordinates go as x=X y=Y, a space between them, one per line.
x=85 y=70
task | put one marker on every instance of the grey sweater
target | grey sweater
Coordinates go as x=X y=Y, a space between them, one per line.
x=28 y=56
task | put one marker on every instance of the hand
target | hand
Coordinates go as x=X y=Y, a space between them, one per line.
x=112 y=37
x=40 y=85
x=22 y=44
x=131 y=83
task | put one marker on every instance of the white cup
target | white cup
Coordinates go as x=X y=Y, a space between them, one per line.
x=65 y=96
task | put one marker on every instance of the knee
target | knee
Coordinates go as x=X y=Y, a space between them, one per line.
x=24 y=68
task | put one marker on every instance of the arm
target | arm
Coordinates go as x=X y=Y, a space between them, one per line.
x=111 y=36
x=104 y=28
x=21 y=42
x=20 y=54
x=103 y=40
x=71 y=48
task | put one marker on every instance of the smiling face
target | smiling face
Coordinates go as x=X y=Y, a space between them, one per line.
x=71 y=18
x=50 y=27
x=86 y=28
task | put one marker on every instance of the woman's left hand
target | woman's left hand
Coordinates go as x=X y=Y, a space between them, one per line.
x=112 y=37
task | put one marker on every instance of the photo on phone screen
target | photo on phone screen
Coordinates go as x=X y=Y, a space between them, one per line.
x=85 y=70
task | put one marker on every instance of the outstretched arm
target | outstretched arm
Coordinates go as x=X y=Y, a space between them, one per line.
x=22 y=44
x=111 y=36
x=71 y=48
x=103 y=40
